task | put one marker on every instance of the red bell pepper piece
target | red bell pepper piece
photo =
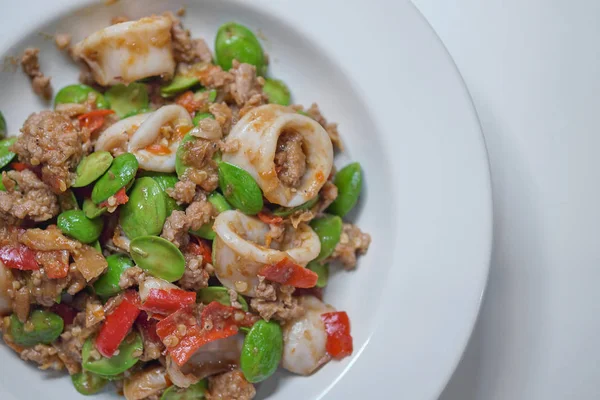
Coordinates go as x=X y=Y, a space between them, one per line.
x=94 y=119
x=287 y=272
x=201 y=249
x=120 y=196
x=19 y=166
x=65 y=311
x=55 y=263
x=165 y=302
x=269 y=218
x=187 y=101
x=339 y=340
x=117 y=325
x=19 y=257
x=183 y=336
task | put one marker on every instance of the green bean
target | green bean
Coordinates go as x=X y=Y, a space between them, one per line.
x=78 y=94
x=262 y=351
x=2 y=187
x=41 y=327
x=199 y=117
x=180 y=166
x=178 y=85
x=349 y=182
x=212 y=95
x=125 y=357
x=277 y=92
x=107 y=284
x=240 y=189
x=88 y=383
x=329 y=230
x=127 y=99
x=220 y=294
x=286 y=212
x=192 y=392
x=2 y=126
x=96 y=245
x=236 y=42
x=220 y=204
x=158 y=256
x=67 y=201
x=75 y=224
x=165 y=181
x=92 y=167
x=6 y=156
x=120 y=174
x=322 y=270
x=145 y=212
x=91 y=209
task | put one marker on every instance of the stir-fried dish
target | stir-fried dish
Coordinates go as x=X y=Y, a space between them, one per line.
x=169 y=225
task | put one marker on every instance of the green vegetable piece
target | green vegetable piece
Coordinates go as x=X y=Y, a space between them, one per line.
x=2 y=126
x=158 y=256
x=286 y=212
x=236 y=42
x=107 y=284
x=127 y=99
x=193 y=392
x=220 y=204
x=97 y=246
x=145 y=212
x=41 y=327
x=212 y=95
x=126 y=356
x=92 y=167
x=220 y=294
x=178 y=84
x=349 y=182
x=277 y=92
x=262 y=351
x=329 y=230
x=165 y=181
x=75 y=224
x=120 y=174
x=78 y=94
x=199 y=117
x=88 y=383
x=240 y=189
x=91 y=210
x=322 y=270
x=2 y=187
x=6 y=156
x=67 y=201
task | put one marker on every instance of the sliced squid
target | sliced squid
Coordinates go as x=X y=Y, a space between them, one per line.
x=145 y=383
x=5 y=284
x=139 y=132
x=240 y=249
x=305 y=338
x=129 y=51
x=258 y=133
x=212 y=358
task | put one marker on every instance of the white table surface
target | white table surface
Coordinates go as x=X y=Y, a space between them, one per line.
x=533 y=70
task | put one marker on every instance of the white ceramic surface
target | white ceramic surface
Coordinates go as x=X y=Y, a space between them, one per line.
x=404 y=114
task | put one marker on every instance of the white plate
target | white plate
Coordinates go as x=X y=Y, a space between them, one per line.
x=404 y=113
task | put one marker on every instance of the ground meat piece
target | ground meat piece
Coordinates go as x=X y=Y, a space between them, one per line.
x=195 y=276
x=31 y=66
x=183 y=192
x=230 y=146
x=223 y=116
x=184 y=48
x=246 y=84
x=198 y=213
x=213 y=77
x=71 y=341
x=62 y=40
x=131 y=277
x=352 y=243
x=175 y=229
x=301 y=216
x=94 y=312
x=233 y=299
x=327 y=195
x=290 y=160
x=254 y=101
x=46 y=356
x=22 y=303
x=276 y=234
x=26 y=197
x=274 y=301
x=46 y=291
x=203 y=170
x=230 y=386
x=202 y=50
x=208 y=128
x=331 y=128
x=51 y=140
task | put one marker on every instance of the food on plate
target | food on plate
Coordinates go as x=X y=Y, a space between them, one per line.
x=170 y=225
